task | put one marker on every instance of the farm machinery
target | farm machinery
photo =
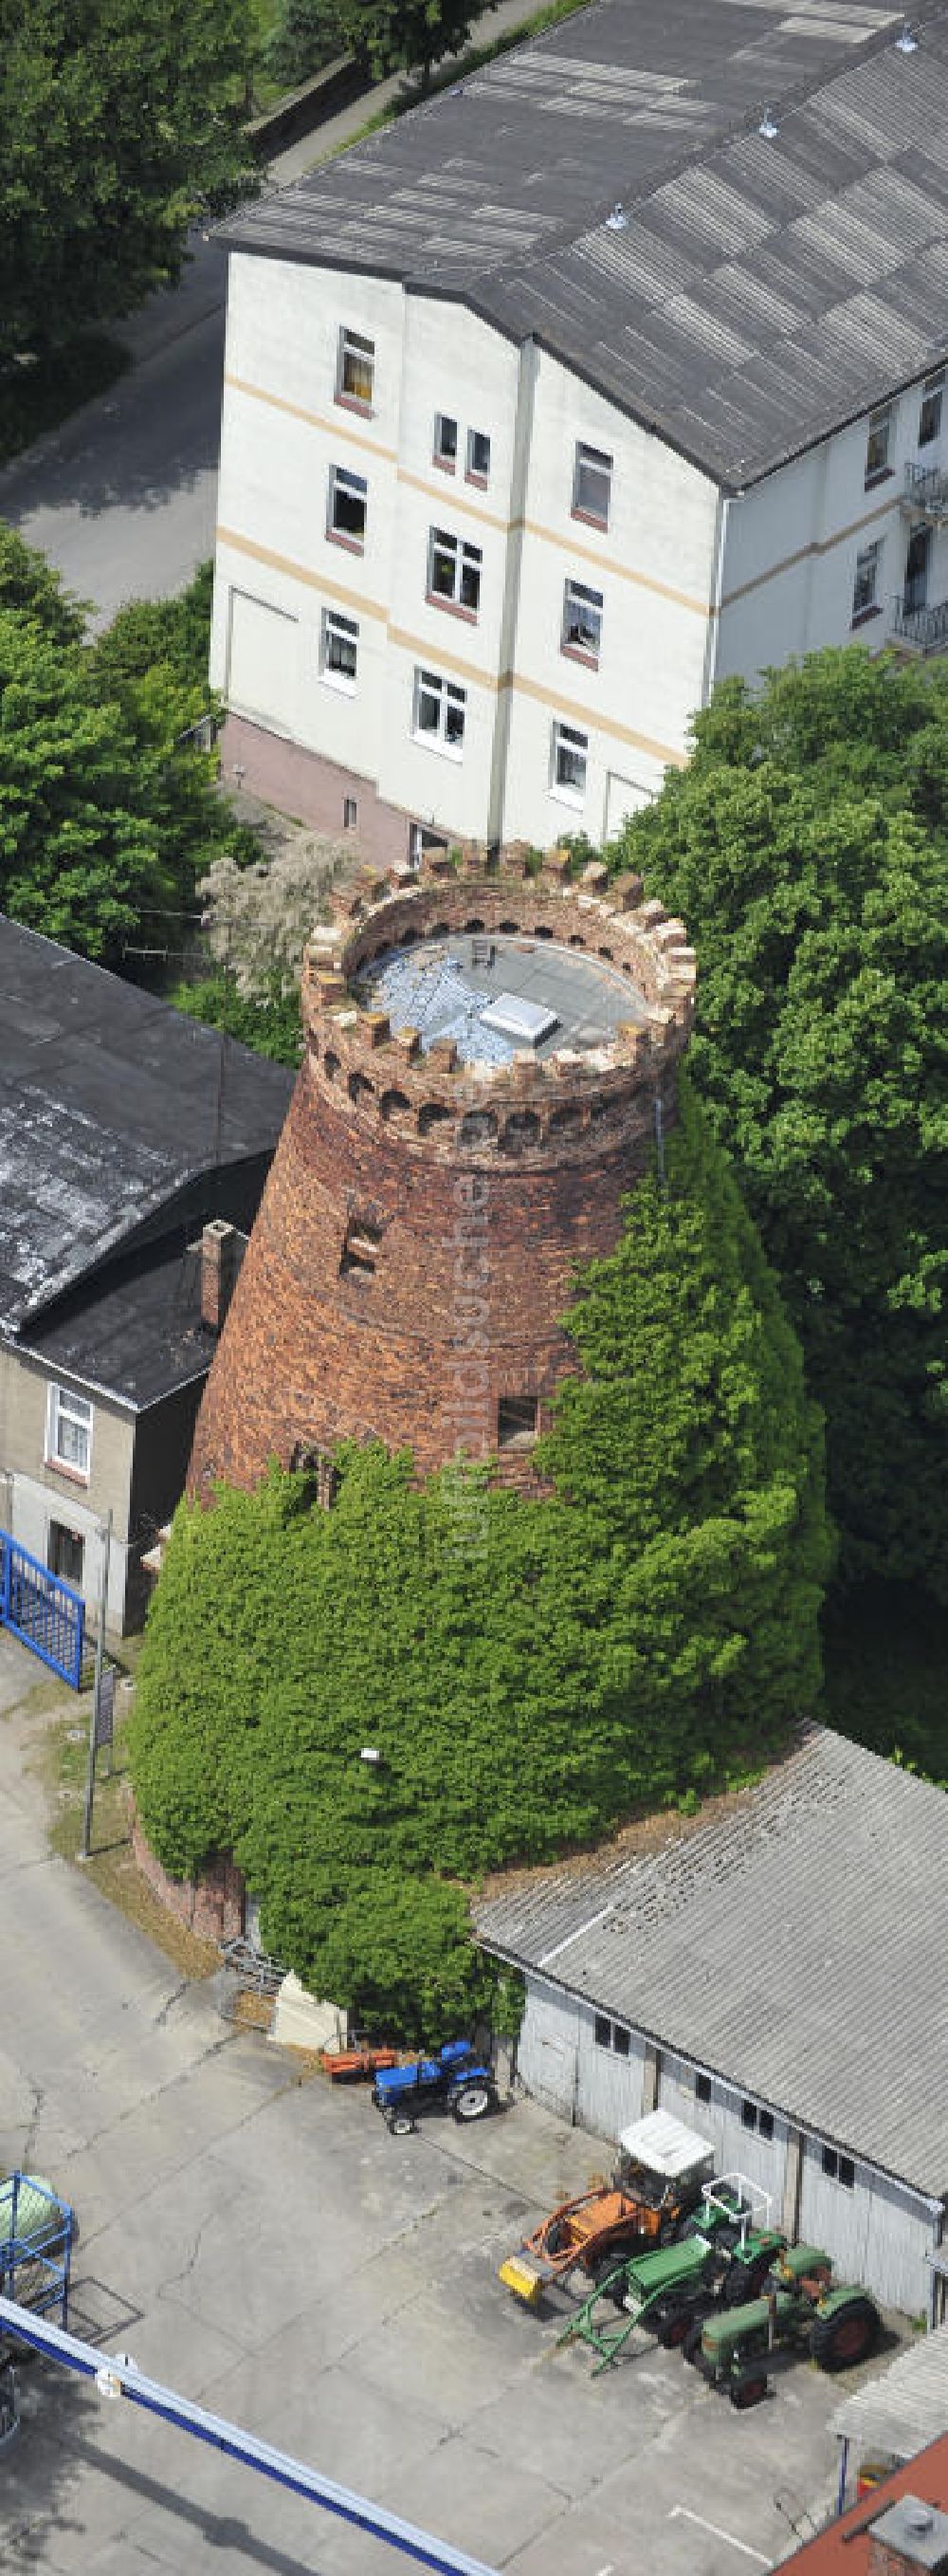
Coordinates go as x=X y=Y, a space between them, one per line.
x=800 y=2309
x=455 y=2080
x=657 y=2183
x=37 y=2235
x=721 y=2260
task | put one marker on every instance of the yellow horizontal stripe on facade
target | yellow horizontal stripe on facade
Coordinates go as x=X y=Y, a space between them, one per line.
x=435 y=658
x=568 y=544
x=337 y=427
x=815 y=546
x=322 y=582
x=455 y=496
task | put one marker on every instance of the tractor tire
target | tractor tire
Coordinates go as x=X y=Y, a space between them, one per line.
x=400 y=2124
x=672 y=2328
x=748 y=2392
x=472 y=2102
x=691 y=2347
x=840 y=2341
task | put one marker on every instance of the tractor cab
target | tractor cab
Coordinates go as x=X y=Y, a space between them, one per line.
x=663 y=2165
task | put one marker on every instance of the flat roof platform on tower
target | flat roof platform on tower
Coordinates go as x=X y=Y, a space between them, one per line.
x=493 y=994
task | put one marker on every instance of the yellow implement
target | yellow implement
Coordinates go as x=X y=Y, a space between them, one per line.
x=520 y=2277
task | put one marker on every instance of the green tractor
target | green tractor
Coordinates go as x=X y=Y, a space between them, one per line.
x=801 y=2309
x=720 y=2259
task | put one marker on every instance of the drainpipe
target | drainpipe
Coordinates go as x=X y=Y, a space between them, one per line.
x=714 y=613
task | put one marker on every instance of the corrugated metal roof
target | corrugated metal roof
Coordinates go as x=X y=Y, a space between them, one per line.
x=763 y=293
x=794 y=1944
x=906 y=2407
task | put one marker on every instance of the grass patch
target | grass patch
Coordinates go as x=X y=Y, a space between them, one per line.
x=886 y=1674
x=38 y=397
x=472 y=61
x=62 y=1767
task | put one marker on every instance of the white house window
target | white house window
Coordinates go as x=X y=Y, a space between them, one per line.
x=582 y=620
x=570 y=758
x=445 y=440
x=440 y=709
x=929 y=419
x=866 y=583
x=752 y=2118
x=347 y=506
x=839 y=2168
x=478 y=456
x=340 y=650
x=611 y=2034
x=454 y=571
x=592 y=485
x=356 y=370
x=878 y=444
x=69 y=1431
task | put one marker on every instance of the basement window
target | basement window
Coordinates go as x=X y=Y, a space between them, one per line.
x=516 y=1421
x=839 y=2168
x=360 y=1249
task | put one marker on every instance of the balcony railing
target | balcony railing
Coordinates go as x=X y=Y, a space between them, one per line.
x=924 y=629
x=925 y=491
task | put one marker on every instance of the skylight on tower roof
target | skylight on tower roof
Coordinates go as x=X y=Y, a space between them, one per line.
x=528 y=1022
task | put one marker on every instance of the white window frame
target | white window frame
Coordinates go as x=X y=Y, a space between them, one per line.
x=64 y=1405
x=881 y=425
x=580 y=602
x=570 y=742
x=467 y=564
x=591 y=462
x=475 y=473
x=446 y=693
x=356 y=356
x=445 y=456
x=342 y=479
x=337 y=629
x=933 y=402
x=866 y=579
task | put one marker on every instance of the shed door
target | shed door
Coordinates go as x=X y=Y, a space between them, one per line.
x=263 y=661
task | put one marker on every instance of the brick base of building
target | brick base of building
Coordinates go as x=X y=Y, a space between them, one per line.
x=211 y=1906
x=314 y=790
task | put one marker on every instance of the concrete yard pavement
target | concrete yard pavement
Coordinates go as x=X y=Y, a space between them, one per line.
x=262 y=2244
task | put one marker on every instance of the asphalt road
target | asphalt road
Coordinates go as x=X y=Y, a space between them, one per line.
x=123 y=498
x=264 y=2246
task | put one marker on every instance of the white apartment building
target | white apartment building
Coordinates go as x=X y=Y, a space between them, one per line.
x=615 y=369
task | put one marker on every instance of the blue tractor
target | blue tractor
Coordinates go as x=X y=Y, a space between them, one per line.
x=454 y=2080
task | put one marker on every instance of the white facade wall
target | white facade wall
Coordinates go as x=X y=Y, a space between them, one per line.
x=33 y=1510
x=877 y=2231
x=791 y=545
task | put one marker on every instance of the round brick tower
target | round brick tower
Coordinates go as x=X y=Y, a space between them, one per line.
x=489 y=1054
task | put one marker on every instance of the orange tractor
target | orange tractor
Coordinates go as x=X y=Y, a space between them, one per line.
x=658 y=2181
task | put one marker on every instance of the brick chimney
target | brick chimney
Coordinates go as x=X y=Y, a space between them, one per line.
x=908 y=2537
x=219 y=1265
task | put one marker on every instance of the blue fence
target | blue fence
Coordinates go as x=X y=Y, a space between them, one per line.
x=43 y=1611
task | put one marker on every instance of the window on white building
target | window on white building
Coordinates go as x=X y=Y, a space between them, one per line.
x=592 y=485
x=440 y=711
x=929 y=418
x=478 y=456
x=878 y=443
x=445 y=440
x=752 y=2118
x=355 y=372
x=65 y=1553
x=454 y=570
x=570 y=756
x=582 y=620
x=69 y=1431
x=613 y=2035
x=348 y=495
x=340 y=650
x=866 y=584
x=702 y=2088
x=839 y=2168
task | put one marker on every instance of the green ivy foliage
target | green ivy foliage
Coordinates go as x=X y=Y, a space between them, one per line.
x=530 y=1671
x=806 y=848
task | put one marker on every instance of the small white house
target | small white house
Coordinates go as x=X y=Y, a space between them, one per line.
x=614 y=369
x=772 y=1973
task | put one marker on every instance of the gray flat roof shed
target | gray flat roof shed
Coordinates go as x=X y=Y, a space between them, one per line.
x=792 y=1941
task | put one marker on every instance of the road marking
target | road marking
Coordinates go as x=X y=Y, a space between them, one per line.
x=679 y=2512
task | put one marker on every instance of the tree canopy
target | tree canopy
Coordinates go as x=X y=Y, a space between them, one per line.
x=121 y=124
x=806 y=847
x=385 y=35
x=531 y=1671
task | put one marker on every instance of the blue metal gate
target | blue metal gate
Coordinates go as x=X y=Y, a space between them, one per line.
x=43 y=1611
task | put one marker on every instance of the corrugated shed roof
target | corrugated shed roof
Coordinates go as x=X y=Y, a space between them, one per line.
x=763 y=292
x=794 y=1944
x=905 y=2407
